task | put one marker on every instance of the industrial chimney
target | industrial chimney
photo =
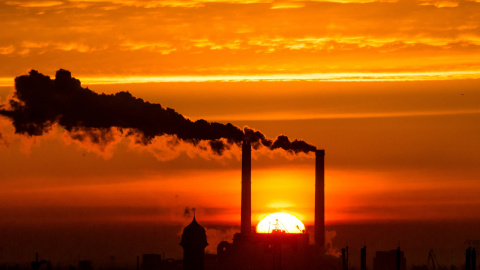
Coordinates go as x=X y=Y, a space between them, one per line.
x=246 y=211
x=319 y=230
x=363 y=258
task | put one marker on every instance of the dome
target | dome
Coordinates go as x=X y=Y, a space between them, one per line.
x=194 y=235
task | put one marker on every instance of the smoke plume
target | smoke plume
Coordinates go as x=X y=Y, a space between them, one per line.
x=40 y=102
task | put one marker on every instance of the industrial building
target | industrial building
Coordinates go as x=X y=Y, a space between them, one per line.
x=278 y=249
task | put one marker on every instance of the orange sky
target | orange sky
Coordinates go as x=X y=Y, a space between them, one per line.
x=227 y=37
x=400 y=130
x=397 y=151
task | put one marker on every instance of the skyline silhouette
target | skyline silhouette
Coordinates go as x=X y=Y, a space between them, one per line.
x=49 y=215
x=122 y=122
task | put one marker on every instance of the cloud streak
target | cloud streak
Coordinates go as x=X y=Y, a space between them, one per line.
x=239 y=37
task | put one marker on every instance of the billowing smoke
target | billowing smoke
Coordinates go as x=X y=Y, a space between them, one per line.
x=40 y=102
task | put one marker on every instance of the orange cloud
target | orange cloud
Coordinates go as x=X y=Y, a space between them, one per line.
x=229 y=39
x=35 y=4
x=7 y=50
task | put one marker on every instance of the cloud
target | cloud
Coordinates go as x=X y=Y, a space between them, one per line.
x=7 y=50
x=160 y=47
x=150 y=4
x=27 y=47
x=34 y=4
x=287 y=5
x=230 y=38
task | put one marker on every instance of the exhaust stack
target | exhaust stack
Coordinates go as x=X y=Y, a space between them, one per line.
x=363 y=258
x=246 y=211
x=319 y=230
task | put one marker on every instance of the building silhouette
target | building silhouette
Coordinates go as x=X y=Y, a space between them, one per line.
x=363 y=258
x=470 y=259
x=278 y=249
x=152 y=262
x=194 y=241
x=85 y=265
x=389 y=260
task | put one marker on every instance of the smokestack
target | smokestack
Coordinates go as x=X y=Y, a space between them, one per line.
x=344 y=259
x=468 y=252
x=319 y=231
x=474 y=259
x=246 y=213
x=363 y=258
x=399 y=256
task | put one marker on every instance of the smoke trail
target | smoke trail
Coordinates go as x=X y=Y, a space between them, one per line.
x=40 y=102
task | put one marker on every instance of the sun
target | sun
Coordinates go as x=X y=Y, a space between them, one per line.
x=280 y=222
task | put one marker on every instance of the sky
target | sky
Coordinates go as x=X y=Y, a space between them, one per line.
x=390 y=90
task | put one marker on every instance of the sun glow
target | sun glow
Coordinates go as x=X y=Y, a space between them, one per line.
x=280 y=222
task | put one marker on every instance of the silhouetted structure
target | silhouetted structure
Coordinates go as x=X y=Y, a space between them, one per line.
x=246 y=208
x=158 y=262
x=345 y=258
x=399 y=258
x=85 y=265
x=432 y=260
x=363 y=258
x=319 y=231
x=194 y=241
x=389 y=260
x=276 y=250
x=474 y=259
x=36 y=264
x=470 y=259
x=152 y=262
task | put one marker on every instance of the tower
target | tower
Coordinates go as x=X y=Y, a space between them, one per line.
x=194 y=241
x=246 y=210
x=319 y=226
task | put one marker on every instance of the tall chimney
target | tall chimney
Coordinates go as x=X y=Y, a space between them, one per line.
x=399 y=259
x=344 y=259
x=319 y=230
x=474 y=259
x=468 y=259
x=246 y=212
x=363 y=258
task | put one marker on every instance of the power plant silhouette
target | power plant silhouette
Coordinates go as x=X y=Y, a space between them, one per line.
x=275 y=250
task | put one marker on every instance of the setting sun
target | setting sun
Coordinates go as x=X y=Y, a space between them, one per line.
x=280 y=222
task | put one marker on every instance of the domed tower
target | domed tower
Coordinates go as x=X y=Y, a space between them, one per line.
x=194 y=241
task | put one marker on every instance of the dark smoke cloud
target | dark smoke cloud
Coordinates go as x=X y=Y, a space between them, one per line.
x=40 y=102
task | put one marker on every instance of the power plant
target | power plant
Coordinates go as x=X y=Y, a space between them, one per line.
x=276 y=250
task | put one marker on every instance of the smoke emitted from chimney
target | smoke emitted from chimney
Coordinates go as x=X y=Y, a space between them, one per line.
x=39 y=103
